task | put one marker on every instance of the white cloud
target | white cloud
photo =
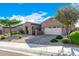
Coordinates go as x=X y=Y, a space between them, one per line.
x=2 y=17
x=75 y=4
x=34 y=17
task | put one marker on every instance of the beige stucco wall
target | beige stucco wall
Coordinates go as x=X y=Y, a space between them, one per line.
x=50 y=23
x=23 y=27
x=6 y=30
x=29 y=27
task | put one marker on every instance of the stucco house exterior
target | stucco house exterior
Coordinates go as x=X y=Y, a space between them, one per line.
x=29 y=28
x=49 y=27
x=26 y=28
x=53 y=27
x=1 y=29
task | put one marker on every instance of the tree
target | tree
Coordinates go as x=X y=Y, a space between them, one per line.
x=9 y=23
x=68 y=16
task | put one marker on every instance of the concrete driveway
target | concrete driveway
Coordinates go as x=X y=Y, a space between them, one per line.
x=42 y=39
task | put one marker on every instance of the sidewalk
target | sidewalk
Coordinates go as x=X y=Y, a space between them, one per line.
x=34 y=49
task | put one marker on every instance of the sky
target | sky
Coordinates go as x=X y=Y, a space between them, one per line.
x=9 y=9
x=30 y=12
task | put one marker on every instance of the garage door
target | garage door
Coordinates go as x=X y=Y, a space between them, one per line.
x=53 y=31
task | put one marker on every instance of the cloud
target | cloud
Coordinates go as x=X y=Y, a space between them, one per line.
x=75 y=4
x=34 y=17
x=2 y=17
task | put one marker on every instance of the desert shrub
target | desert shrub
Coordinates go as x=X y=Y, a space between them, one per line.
x=66 y=40
x=59 y=37
x=21 y=31
x=15 y=33
x=20 y=37
x=2 y=37
x=74 y=36
x=5 y=34
x=54 y=40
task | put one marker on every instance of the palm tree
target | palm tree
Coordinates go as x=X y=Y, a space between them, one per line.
x=9 y=23
x=68 y=16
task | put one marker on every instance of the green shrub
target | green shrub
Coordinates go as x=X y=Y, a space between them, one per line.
x=66 y=40
x=59 y=37
x=74 y=36
x=54 y=40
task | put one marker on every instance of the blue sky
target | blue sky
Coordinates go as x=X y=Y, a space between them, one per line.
x=34 y=12
x=31 y=12
x=9 y=9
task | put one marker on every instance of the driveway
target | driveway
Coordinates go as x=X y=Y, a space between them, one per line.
x=42 y=39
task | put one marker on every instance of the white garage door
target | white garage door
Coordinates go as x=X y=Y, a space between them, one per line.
x=53 y=31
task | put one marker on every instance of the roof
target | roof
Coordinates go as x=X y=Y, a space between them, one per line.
x=32 y=23
x=50 y=18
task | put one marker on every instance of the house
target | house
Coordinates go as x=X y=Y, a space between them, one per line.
x=25 y=28
x=29 y=28
x=1 y=29
x=7 y=29
x=52 y=27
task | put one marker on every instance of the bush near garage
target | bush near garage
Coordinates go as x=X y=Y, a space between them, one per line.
x=54 y=40
x=66 y=40
x=74 y=36
x=59 y=37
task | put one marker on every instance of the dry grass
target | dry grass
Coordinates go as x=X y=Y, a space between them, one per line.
x=22 y=40
x=17 y=40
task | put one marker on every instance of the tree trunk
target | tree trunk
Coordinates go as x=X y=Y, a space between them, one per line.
x=10 y=31
x=68 y=29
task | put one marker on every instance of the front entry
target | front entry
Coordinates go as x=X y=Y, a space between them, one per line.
x=33 y=30
x=26 y=29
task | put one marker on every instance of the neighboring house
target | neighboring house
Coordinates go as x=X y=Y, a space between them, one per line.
x=52 y=26
x=1 y=29
x=7 y=29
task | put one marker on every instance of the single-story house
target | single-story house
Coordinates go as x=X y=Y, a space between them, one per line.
x=49 y=27
x=26 y=28
x=29 y=28
x=52 y=27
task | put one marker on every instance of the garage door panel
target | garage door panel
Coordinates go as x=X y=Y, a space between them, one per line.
x=56 y=31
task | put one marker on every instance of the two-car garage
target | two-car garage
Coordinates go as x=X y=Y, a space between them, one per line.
x=53 y=31
x=51 y=26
